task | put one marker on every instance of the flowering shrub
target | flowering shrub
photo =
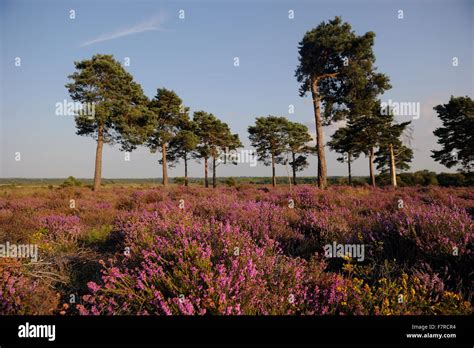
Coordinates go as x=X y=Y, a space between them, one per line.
x=61 y=228
x=244 y=250
x=19 y=294
x=215 y=269
x=401 y=296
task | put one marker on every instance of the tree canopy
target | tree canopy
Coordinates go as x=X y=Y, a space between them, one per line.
x=456 y=135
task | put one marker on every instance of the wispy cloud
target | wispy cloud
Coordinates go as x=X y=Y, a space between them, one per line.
x=154 y=23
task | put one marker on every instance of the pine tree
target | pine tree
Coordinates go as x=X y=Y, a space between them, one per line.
x=392 y=154
x=402 y=156
x=456 y=136
x=222 y=140
x=119 y=104
x=269 y=137
x=334 y=65
x=168 y=112
x=342 y=142
x=373 y=130
x=215 y=138
x=298 y=137
x=183 y=145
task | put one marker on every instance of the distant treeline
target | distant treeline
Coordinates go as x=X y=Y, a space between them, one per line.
x=419 y=178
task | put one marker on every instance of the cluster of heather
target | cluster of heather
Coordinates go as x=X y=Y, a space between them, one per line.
x=23 y=294
x=238 y=251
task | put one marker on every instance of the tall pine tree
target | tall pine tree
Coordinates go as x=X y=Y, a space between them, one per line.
x=168 y=113
x=119 y=104
x=334 y=65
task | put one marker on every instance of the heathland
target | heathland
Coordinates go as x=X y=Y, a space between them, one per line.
x=246 y=249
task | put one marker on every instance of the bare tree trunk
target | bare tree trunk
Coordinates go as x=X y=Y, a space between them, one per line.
x=206 y=181
x=98 y=158
x=322 y=169
x=273 y=171
x=371 y=167
x=213 y=172
x=294 y=169
x=164 y=165
x=186 y=170
x=393 y=172
x=349 y=160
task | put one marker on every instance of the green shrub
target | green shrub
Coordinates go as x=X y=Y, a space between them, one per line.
x=231 y=182
x=178 y=180
x=71 y=181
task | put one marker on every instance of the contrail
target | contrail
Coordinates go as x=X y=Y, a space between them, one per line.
x=154 y=23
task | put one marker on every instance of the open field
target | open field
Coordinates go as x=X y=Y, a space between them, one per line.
x=248 y=249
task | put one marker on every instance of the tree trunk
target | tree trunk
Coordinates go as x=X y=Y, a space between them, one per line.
x=164 y=165
x=294 y=169
x=206 y=181
x=186 y=170
x=349 y=160
x=371 y=167
x=213 y=172
x=393 y=170
x=322 y=169
x=273 y=171
x=98 y=158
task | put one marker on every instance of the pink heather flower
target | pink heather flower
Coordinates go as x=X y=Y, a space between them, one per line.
x=93 y=287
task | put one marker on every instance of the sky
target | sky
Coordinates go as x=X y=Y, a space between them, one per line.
x=195 y=56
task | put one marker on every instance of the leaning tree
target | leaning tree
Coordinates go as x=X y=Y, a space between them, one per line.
x=119 y=105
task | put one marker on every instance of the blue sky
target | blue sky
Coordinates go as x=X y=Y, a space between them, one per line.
x=195 y=57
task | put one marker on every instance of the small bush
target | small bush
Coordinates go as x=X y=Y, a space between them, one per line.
x=231 y=182
x=71 y=181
